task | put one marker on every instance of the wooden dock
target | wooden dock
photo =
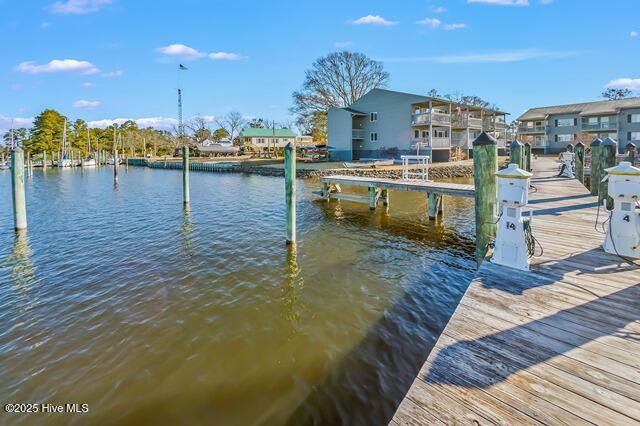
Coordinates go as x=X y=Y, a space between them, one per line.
x=444 y=188
x=557 y=345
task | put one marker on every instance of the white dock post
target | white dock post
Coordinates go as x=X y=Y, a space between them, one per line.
x=290 y=191
x=17 y=184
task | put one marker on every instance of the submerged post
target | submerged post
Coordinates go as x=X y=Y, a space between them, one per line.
x=594 y=178
x=485 y=167
x=579 y=150
x=290 y=191
x=527 y=157
x=185 y=174
x=17 y=184
x=516 y=153
x=631 y=153
x=608 y=154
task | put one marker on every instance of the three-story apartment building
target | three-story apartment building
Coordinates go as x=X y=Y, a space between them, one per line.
x=551 y=129
x=387 y=124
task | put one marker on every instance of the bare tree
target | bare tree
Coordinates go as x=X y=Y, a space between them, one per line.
x=233 y=122
x=613 y=94
x=199 y=129
x=336 y=80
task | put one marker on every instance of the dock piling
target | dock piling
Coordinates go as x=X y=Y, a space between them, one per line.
x=115 y=166
x=527 y=157
x=17 y=184
x=290 y=191
x=631 y=153
x=435 y=205
x=485 y=167
x=579 y=150
x=516 y=153
x=594 y=178
x=608 y=154
x=185 y=175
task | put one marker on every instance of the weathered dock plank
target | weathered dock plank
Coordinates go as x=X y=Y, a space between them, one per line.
x=556 y=345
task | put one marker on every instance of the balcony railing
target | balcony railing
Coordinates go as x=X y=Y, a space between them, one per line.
x=532 y=129
x=357 y=134
x=463 y=122
x=434 y=143
x=600 y=126
x=423 y=117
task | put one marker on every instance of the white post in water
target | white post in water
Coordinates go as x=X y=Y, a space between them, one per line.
x=290 y=191
x=17 y=183
x=185 y=174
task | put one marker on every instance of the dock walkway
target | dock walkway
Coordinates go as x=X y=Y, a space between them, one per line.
x=557 y=345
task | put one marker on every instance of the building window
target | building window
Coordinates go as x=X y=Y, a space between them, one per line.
x=564 y=138
x=373 y=137
x=634 y=136
x=373 y=116
x=565 y=122
x=425 y=133
x=633 y=118
x=416 y=134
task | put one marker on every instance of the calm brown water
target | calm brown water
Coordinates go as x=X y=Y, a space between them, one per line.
x=118 y=299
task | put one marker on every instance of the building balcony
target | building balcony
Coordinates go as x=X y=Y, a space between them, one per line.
x=357 y=134
x=434 y=143
x=532 y=129
x=462 y=122
x=423 y=117
x=600 y=126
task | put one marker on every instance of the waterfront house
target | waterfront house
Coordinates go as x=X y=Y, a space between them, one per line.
x=387 y=124
x=550 y=129
x=261 y=139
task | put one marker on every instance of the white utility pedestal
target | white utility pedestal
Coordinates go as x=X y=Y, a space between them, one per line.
x=510 y=247
x=623 y=229
x=566 y=168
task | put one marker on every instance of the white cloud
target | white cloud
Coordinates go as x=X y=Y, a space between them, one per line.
x=161 y=123
x=87 y=84
x=452 y=27
x=77 y=7
x=374 y=20
x=225 y=56
x=45 y=24
x=499 y=57
x=502 y=2
x=440 y=9
x=86 y=104
x=430 y=22
x=6 y=123
x=57 y=65
x=112 y=74
x=624 y=83
x=180 y=51
x=341 y=44
x=633 y=34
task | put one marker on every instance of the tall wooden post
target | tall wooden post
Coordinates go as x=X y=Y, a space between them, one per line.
x=185 y=175
x=17 y=184
x=485 y=167
x=44 y=160
x=579 y=150
x=608 y=158
x=290 y=191
x=516 y=153
x=116 y=166
x=434 y=205
x=527 y=157
x=631 y=153
x=594 y=178
x=29 y=169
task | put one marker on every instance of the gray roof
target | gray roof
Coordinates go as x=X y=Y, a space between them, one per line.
x=353 y=111
x=585 y=108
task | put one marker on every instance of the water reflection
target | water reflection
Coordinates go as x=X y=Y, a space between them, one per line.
x=291 y=290
x=186 y=230
x=19 y=260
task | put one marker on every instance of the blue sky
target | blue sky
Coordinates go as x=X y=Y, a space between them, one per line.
x=249 y=56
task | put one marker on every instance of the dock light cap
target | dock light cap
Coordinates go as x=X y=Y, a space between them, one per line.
x=596 y=142
x=515 y=144
x=624 y=168
x=513 y=172
x=631 y=146
x=609 y=142
x=485 y=139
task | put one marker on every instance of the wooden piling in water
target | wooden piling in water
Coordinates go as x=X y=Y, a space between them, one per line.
x=579 y=150
x=516 y=153
x=434 y=205
x=17 y=185
x=115 y=166
x=44 y=160
x=594 y=177
x=290 y=191
x=631 y=153
x=608 y=154
x=185 y=175
x=485 y=167
x=527 y=157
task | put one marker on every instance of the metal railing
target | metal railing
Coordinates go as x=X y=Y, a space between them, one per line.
x=422 y=116
x=600 y=126
x=433 y=143
x=357 y=134
x=532 y=129
x=420 y=171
